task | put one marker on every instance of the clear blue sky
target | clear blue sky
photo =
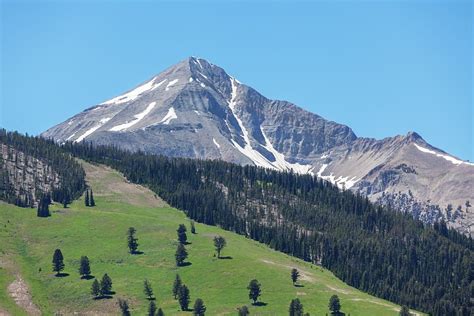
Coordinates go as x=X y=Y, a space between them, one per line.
x=381 y=67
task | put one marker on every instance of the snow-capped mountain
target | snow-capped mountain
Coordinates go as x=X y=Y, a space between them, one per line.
x=195 y=109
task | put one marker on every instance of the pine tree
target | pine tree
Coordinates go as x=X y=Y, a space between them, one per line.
x=243 y=311
x=183 y=297
x=84 y=267
x=43 y=206
x=132 y=240
x=106 y=285
x=176 y=286
x=296 y=308
x=86 y=200
x=147 y=289
x=180 y=255
x=219 y=244
x=95 y=289
x=91 y=199
x=294 y=275
x=124 y=308
x=152 y=308
x=58 y=262
x=193 y=228
x=160 y=312
x=254 y=290
x=182 y=238
x=334 y=305
x=404 y=311
x=199 y=309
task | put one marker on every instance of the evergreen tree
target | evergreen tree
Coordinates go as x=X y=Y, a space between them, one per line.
x=404 y=311
x=91 y=199
x=254 y=290
x=296 y=308
x=180 y=255
x=84 y=267
x=334 y=305
x=182 y=238
x=132 y=240
x=199 y=309
x=43 y=206
x=95 y=289
x=147 y=289
x=176 y=285
x=66 y=200
x=124 y=308
x=243 y=311
x=294 y=275
x=86 y=200
x=183 y=297
x=152 y=309
x=160 y=312
x=219 y=244
x=58 y=262
x=193 y=228
x=106 y=285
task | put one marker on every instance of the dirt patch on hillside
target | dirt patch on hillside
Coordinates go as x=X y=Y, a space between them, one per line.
x=107 y=182
x=20 y=293
x=304 y=275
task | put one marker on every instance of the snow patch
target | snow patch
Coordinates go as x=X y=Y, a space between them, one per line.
x=340 y=182
x=202 y=85
x=171 y=83
x=446 y=157
x=197 y=59
x=191 y=79
x=203 y=75
x=135 y=93
x=169 y=116
x=74 y=134
x=137 y=118
x=197 y=112
x=216 y=143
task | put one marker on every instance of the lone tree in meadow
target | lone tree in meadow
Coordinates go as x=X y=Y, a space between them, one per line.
x=124 y=308
x=106 y=285
x=183 y=297
x=199 y=309
x=294 y=275
x=243 y=311
x=180 y=255
x=43 y=206
x=132 y=240
x=334 y=305
x=254 y=290
x=84 y=268
x=86 y=199
x=182 y=238
x=176 y=286
x=92 y=201
x=147 y=289
x=219 y=244
x=404 y=311
x=152 y=309
x=296 y=308
x=193 y=227
x=95 y=289
x=58 y=262
x=160 y=312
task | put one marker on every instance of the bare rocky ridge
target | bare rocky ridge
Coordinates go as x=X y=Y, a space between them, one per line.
x=195 y=109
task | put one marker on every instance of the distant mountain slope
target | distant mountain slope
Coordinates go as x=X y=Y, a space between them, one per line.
x=195 y=109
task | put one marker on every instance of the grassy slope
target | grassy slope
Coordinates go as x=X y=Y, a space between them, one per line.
x=100 y=232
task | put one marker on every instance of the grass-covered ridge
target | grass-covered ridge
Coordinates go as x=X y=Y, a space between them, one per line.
x=100 y=233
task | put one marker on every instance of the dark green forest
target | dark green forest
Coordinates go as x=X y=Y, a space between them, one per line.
x=378 y=250
x=71 y=174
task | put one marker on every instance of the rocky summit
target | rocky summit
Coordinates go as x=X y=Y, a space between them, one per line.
x=195 y=109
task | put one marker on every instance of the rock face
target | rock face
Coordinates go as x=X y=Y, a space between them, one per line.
x=195 y=109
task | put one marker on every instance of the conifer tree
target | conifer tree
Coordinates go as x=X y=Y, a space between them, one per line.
x=86 y=200
x=132 y=240
x=243 y=311
x=193 y=227
x=180 y=255
x=147 y=289
x=334 y=305
x=106 y=285
x=183 y=297
x=95 y=289
x=219 y=244
x=182 y=238
x=404 y=311
x=152 y=308
x=199 y=309
x=84 y=267
x=160 y=312
x=176 y=286
x=124 y=308
x=43 y=206
x=254 y=290
x=296 y=308
x=294 y=275
x=58 y=262
x=91 y=199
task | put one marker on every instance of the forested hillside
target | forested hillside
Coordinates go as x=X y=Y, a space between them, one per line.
x=31 y=167
x=380 y=251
